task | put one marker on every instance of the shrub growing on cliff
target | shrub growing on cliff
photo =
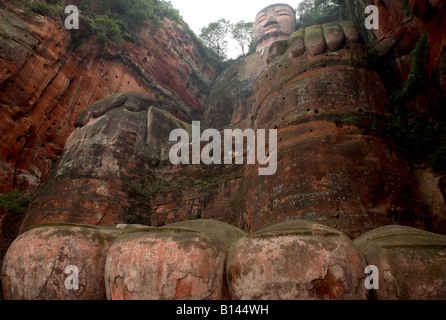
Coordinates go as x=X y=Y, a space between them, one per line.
x=417 y=135
x=109 y=29
x=15 y=203
x=46 y=8
x=312 y=12
x=134 y=12
x=418 y=77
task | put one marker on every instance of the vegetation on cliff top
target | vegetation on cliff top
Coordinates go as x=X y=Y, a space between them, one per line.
x=420 y=136
x=215 y=36
x=115 y=20
x=316 y=12
x=15 y=203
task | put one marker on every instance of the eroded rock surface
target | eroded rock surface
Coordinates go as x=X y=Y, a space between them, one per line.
x=116 y=169
x=211 y=260
x=411 y=262
x=47 y=79
x=332 y=174
x=321 y=101
x=35 y=266
x=111 y=151
x=296 y=260
x=181 y=261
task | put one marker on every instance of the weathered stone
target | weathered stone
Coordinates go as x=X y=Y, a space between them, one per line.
x=277 y=49
x=432 y=191
x=392 y=14
x=130 y=101
x=230 y=101
x=180 y=261
x=323 y=155
x=47 y=79
x=431 y=13
x=296 y=43
x=35 y=265
x=350 y=31
x=102 y=160
x=333 y=174
x=411 y=262
x=293 y=260
x=314 y=40
x=334 y=36
x=275 y=22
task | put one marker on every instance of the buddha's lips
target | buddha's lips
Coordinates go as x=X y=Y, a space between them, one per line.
x=271 y=28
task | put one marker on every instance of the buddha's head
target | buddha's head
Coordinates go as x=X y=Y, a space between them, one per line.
x=275 y=22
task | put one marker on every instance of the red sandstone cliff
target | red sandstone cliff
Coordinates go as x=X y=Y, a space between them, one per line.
x=401 y=23
x=45 y=84
x=319 y=89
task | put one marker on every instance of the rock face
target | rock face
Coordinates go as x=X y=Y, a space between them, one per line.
x=212 y=260
x=117 y=141
x=401 y=25
x=321 y=88
x=412 y=262
x=46 y=81
x=431 y=13
x=35 y=266
x=296 y=260
x=326 y=173
x=319 y=104
x=231 y=98
x=393 y=15
x=116 y=169
x=181 y=261
x=329 y=169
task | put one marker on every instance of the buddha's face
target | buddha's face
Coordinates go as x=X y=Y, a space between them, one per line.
x=276 y=22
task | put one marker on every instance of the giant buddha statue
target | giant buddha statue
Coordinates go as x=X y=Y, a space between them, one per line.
x=275 y=22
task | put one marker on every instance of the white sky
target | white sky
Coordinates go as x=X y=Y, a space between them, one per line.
x=199 y=13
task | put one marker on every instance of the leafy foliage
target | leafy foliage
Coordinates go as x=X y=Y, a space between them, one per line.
x=418 y=77
x=312 y=12
x=108 y=29
x=15 y=202
x=134 y=12
x=111 y=20
x=114 y=20
x=417 y=136
x=46 y=8
x=215 y=36
x=243 y=33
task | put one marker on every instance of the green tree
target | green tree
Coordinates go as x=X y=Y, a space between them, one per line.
x=108 y=29
x=311 y=12
x=243 y=34
x=215 y=36
x=134 y=12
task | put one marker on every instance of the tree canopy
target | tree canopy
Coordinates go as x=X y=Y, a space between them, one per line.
x=215 y=36
x=243 y=34
x=311 y=12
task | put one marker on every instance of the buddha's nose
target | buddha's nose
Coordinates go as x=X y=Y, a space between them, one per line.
x=271 y=21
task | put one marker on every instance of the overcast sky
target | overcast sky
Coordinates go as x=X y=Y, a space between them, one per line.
x=199 y=13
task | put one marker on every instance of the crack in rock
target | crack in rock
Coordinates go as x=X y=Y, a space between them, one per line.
x=192 y=287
